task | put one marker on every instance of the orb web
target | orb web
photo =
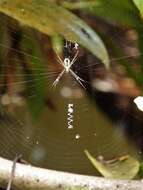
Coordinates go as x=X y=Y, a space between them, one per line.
x=51 y=141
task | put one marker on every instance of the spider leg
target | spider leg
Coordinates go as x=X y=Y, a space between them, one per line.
x=60 y=60
x=58 y=78
x=74 y=59
x=77 y=78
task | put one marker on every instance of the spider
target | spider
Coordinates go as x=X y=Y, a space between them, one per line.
x=67 y=69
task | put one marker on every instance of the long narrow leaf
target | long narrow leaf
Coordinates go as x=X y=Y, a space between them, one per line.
x=122 y=12
x=35 y=79
x=50 y=18
x=139 y=4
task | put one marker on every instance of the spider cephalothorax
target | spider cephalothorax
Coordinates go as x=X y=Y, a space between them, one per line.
x=67 y=63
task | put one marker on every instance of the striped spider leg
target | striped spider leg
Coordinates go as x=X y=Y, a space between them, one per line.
x=58 y=78
x=79 y=80
x=67 y=68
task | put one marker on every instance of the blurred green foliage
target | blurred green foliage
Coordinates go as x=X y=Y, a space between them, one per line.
x=34 y=77
x=139 y=4
x=50 y=18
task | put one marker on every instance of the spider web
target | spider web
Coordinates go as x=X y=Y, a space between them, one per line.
x=48 y=142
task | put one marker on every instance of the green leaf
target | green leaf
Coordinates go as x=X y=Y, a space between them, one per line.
x=80 y=5
x=57 y=43
x=35 y=77
x=122 y=12
x=118 y=169
x=139 y=4
x=50 y=18
x=141 y=170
